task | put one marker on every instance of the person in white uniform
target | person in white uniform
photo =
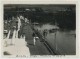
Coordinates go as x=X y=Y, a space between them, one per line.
x=35 y=37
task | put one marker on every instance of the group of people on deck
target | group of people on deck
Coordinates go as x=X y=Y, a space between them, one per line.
x=18 y=25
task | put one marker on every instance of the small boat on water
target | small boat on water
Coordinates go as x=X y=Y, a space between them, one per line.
x=54 y=29
x=35 y=23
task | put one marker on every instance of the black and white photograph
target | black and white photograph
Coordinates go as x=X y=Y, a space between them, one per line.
x=39 y=29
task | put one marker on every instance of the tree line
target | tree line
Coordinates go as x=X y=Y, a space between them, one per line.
x=64 y=19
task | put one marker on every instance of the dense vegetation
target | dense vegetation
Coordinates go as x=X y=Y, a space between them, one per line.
x=64 y=19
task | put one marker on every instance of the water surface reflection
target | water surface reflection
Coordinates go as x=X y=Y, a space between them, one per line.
x=63 y=41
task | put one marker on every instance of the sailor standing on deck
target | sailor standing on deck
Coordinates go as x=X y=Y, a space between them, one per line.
x=34 y=37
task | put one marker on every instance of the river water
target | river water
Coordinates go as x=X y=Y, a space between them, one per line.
x=62 y=41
